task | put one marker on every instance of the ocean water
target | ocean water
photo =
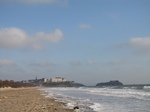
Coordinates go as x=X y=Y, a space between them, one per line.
x=104 y=99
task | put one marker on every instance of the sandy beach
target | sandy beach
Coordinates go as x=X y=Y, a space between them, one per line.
x=28 y=100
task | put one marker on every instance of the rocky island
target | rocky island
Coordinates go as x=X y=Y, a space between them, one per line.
x=110 y=83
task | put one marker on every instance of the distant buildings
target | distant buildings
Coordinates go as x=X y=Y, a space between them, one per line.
x=44 y=80
x=58 y=79
x=25 y=81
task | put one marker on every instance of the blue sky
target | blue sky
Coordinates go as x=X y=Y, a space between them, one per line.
x=88 y=41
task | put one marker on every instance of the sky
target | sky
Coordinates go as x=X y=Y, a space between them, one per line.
x=86 y=41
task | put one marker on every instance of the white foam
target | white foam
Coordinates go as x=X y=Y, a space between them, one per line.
x=122 y=93
x=97 y=107
x=146 y=87
x=100 y=99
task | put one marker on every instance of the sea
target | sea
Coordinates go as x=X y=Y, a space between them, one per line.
x=130 y=98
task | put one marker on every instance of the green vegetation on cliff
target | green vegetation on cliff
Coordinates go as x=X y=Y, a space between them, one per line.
x=13 y=84
x=62 y=84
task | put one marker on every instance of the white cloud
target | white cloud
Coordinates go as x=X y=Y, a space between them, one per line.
x=117 y=61
x=6 y=63
x=140 y=42
x=60 y=2
x=52 y=37
x=84 y=26
x=16 y=38
x=12 y=37
x=113 y=15
x=90 y=62
x=42 y=64
x=141 y=46
x=75 y=63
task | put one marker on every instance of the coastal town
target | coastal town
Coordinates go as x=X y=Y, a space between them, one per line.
x=45 y=80
x=52 y=82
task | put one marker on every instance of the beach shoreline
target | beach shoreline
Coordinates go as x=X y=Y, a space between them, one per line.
x=29 y=100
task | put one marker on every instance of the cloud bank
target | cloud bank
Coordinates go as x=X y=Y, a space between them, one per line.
x=117 y=61
x=141 y=45
x=17 y=38
x=113 y=15
x=91 y=62
x=62 y=2
x=140 y=42
x=42 y=64
x=84 y=26
x=6 y=62
x=75 y=63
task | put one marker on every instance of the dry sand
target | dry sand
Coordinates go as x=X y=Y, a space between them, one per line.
x=28 y=100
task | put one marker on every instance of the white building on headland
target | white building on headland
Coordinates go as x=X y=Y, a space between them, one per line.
x=45 y=80
x=58 y=79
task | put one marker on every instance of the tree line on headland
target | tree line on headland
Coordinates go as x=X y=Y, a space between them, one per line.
x=13 y=84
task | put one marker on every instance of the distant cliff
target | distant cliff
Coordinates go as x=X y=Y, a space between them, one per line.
x=62 y=84
x=110 y=83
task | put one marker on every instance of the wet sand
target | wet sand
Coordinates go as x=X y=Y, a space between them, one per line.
x=28 y=100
